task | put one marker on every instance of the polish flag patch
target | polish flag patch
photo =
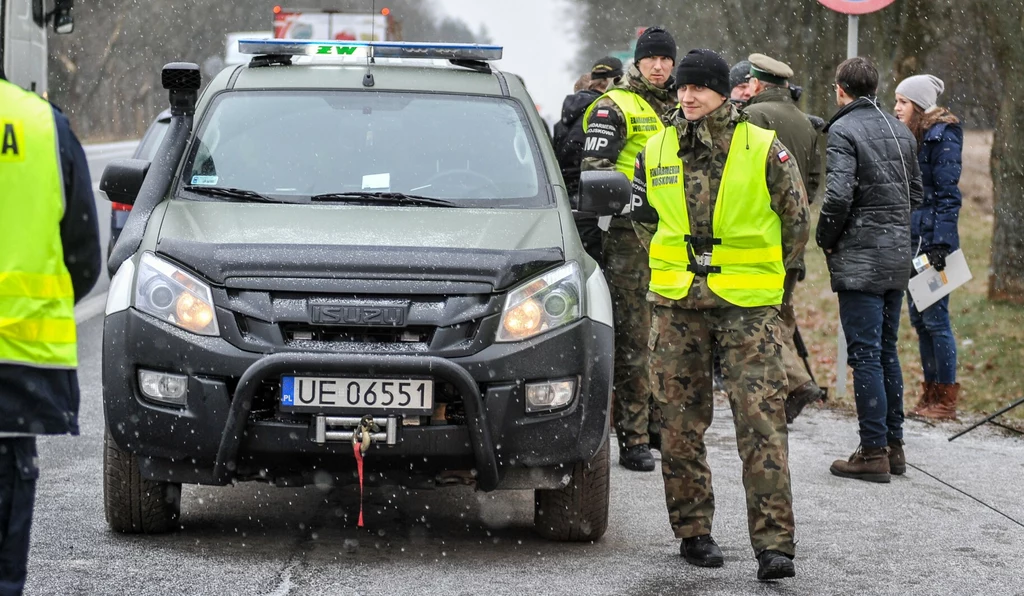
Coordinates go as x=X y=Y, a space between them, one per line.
x=602 y=113
x=783 y=156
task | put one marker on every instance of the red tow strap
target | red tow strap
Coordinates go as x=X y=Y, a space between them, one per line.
x=359 y=466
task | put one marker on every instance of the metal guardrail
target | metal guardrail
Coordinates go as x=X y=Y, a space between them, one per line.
x=121 y=149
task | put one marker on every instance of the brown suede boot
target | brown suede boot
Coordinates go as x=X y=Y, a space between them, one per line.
x=897 y=459
x=870 y=464
x=945 y=406
x=927 y=398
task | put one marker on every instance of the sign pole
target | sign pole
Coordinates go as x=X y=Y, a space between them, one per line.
x=851 y=8
x=852 y=31
x=842 y=357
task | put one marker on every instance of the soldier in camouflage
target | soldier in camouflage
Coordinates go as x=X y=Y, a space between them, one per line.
x=771 y=106
x=718 y=256
x=617 y=126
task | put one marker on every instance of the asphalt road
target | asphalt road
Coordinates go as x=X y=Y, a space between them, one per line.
x=913 y=536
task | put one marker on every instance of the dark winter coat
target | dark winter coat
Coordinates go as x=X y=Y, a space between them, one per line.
x=569 y=137
x=872 y=182
x=39 y=400
x=935 y=221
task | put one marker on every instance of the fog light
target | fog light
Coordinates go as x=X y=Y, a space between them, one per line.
x=541 y=397
x=163 y=388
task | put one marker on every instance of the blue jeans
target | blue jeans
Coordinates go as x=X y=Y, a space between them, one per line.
x=935 y=337
x=871 y=323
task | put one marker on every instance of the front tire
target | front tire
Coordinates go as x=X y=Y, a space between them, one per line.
x=132 y=504
x=578 y=512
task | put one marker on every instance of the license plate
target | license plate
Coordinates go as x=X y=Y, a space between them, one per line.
x=333 y=394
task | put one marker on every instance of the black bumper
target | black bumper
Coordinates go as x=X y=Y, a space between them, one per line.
x=214 y=440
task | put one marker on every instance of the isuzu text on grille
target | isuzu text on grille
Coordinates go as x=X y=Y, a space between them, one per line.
x=337 y=314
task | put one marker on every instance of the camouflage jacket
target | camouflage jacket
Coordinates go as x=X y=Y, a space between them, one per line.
x=612 y=128
x=704 y=148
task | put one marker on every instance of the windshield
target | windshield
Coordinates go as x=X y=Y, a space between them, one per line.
x=291 y=145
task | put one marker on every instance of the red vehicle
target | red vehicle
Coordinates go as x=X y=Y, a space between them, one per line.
x=323 y=24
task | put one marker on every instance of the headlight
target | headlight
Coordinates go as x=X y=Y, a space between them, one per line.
x=542 y=304
x=173 y=295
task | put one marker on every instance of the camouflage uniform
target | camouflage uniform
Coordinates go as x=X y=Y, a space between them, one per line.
x=748 y=339
x=625 y=264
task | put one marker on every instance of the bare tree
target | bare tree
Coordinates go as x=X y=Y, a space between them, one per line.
x=1006 y=281
x=106 y=76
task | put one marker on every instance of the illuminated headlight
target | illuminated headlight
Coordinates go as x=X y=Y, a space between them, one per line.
x=173 y=295
x=552 y=395
x=544 y=303
x=164 y=388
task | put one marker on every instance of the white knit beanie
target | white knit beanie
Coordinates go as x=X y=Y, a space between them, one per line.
x=923 y=90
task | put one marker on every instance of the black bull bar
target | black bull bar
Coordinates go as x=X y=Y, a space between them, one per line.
x=276 y=365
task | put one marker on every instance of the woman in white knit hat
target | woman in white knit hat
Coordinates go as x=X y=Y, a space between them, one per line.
x=934 y=232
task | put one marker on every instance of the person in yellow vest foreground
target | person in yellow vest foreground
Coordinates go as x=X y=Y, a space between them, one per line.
x=721 y=207
x=49 y=258
x=617 y=125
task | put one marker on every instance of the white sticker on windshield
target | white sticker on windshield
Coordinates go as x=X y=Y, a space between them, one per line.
x=204 y=180
x=377 y=182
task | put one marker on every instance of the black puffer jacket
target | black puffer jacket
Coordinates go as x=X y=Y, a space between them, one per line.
x=569 y=137
x=872 y=182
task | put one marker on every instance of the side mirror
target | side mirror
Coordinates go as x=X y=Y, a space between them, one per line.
x=604 y=193
x=122 y=179
x=63 y=22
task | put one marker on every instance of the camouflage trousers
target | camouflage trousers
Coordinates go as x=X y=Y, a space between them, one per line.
x=749 y=343
x=796 y=371
x=628 y=274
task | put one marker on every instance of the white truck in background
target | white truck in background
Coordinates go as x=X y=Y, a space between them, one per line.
x=23 y=52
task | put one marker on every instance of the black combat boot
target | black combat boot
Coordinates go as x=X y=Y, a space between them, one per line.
x=702 y=551
x=637 y=458
x=897 y=459
x=772 y=564
x=802 y=396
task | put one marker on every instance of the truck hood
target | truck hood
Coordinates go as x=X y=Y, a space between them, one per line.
x=228 y=240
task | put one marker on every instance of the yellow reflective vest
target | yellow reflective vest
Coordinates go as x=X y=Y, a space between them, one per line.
x=642 y=122
x=37 y=301
x=743 y=262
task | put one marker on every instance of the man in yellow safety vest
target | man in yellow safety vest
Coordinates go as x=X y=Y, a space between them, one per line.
x=721 y=207
x=617 y=126
x=49 y=258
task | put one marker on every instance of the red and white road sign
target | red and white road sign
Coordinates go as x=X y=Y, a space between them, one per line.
x=856 y=6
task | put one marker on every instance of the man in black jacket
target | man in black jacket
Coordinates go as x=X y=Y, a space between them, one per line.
x=872 y=182
x=45 y=189
x=568 y=143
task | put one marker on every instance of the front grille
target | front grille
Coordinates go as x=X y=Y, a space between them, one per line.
x=300 y=332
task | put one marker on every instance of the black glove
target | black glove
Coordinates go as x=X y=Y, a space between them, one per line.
x=937 y=256
x=796 y=91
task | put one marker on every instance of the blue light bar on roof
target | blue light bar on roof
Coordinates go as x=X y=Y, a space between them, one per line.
x=377 y=49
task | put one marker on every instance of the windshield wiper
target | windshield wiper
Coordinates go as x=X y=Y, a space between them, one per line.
x=397 y=198
x=229 y=193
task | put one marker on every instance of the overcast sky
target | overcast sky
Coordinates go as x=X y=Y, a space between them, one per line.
x=539 y=39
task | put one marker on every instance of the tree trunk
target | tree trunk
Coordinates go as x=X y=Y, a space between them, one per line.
x=1004 y=20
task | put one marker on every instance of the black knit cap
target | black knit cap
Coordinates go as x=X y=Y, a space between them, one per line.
x=655 y=41
x=704 y=68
